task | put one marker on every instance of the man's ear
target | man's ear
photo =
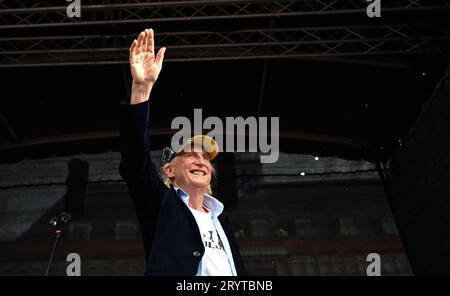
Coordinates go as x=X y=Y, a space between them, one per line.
x=168 y=170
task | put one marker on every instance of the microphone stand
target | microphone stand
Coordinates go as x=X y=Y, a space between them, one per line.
x=57 y=222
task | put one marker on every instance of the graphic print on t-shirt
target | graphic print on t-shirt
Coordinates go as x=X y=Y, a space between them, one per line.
x=212 y=240
x=215 y=260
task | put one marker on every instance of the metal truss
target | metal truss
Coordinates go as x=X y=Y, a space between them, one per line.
x=15 y=14
x=31 y=19
x=234 y=45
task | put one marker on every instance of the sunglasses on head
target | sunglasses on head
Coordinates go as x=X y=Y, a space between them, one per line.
x=167 y=155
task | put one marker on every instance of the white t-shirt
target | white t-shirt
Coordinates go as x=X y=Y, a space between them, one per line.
x=215 y=258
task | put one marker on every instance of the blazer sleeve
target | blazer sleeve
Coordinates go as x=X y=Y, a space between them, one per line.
x=136 y=167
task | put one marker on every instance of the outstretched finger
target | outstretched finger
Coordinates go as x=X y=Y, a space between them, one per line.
x=133 y=51
x=151 y=42
x=160 y=56
x=139 y=48
x=145 y=41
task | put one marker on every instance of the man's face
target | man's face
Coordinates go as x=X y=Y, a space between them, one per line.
x=192 y=169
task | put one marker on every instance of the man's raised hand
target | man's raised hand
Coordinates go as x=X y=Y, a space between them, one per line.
x=145 y=66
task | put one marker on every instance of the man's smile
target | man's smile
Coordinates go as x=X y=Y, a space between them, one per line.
x=198 y=172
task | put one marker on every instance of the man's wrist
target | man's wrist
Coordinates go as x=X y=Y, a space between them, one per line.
x=140 y=92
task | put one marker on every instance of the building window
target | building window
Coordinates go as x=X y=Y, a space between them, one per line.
x=282 y=232
x=347 y=226
x=311 y=266
x=303 y=227
x=260 y=228
x=80 y=231
x=352 y=266
x=298 y=267
x=325 y=265
x=126 y=230
x=240 y=233
x=388 y=225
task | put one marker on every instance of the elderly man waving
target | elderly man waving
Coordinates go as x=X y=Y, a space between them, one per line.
x=183 y=227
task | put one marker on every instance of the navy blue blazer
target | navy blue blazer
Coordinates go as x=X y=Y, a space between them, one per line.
x=172 y=241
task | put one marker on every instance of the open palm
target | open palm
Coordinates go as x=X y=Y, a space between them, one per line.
x=145 y=67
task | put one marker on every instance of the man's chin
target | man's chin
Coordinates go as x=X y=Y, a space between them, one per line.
x=203 y=185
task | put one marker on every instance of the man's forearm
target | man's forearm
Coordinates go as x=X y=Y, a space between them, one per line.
x=140 y=92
